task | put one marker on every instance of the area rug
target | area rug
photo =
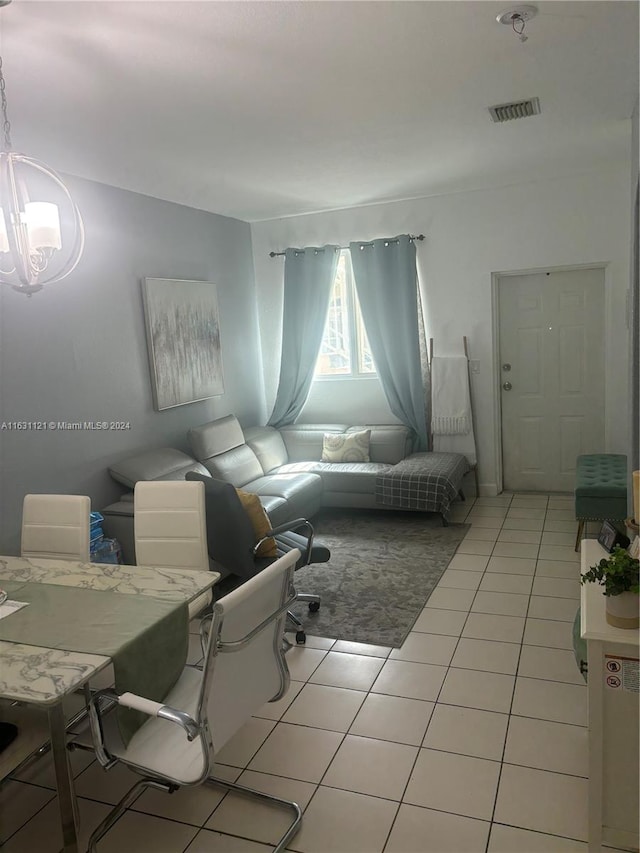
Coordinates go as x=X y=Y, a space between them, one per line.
x=384 y=566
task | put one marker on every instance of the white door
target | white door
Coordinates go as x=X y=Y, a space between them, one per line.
x=551 y=328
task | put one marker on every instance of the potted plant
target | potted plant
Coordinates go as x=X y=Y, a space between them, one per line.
x=619 y=574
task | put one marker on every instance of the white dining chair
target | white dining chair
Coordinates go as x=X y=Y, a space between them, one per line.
x=56 y=527
x=170 y=529
x=244 y=667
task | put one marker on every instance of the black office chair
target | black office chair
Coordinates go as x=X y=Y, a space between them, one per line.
x=232 y=546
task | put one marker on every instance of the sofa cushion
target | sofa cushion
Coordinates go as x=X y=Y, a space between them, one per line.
x=347 y=477
x=304 y=441
x=277 y=509
x=346 y=447
x=388 y=443
x=215 y=437
x=266 y=442
x=302 y=492
x=164 y=463
x=238 y=466
x=220 y=446
x=285 y=485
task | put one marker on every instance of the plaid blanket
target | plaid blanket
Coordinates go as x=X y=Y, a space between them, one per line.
x=422 y=481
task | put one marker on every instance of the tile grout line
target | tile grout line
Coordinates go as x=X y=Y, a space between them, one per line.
x=435 y=704
x=506 y=737
x=35 y=814
x=277 y=723
x=342 y=740
x=245 y=768
x=449 y=666
x=484 y=573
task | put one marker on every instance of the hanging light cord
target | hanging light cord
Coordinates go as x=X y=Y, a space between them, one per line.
x=6 y=123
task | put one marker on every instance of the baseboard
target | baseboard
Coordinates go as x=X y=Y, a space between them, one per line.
x=488 y=490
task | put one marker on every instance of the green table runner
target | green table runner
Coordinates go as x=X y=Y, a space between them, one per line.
x=146 y=638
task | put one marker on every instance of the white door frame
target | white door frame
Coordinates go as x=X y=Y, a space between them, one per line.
x=496 y=367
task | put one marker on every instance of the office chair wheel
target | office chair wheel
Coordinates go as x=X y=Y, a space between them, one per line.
x=301 y=638
x=314 y=606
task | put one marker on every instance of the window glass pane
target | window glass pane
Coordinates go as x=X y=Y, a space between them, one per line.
x=335 y=358
x=365 y=359
x=345 y=349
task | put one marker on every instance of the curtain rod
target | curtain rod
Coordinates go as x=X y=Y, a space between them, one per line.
x=301 y=251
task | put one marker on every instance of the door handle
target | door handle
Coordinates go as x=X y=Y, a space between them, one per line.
x=507 y=386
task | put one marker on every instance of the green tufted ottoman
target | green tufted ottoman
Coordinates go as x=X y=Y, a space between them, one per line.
x=601 y=488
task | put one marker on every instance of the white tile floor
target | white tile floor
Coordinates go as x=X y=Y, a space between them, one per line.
x=471 y=738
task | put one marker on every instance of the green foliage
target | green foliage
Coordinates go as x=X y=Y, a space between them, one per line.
x=618 y=573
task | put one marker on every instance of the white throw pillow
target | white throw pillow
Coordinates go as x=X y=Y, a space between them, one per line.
x=346 y=446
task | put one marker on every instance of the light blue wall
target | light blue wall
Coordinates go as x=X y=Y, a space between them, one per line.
x=77 y=351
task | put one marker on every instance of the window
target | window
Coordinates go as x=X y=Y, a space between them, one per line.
x=345 y=349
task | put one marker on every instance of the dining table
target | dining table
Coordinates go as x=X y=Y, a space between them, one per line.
x=75 y=620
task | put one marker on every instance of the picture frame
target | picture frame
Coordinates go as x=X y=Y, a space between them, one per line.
x=610 y=536
x=183 y=340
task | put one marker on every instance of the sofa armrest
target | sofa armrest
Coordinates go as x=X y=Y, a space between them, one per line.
x=164 y=463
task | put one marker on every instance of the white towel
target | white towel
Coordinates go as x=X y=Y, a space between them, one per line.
x=451 y=404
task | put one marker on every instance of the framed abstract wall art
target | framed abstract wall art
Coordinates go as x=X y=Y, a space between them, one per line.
x=183 y=338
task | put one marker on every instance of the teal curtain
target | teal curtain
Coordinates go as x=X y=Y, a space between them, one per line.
x=308 y=278
x=386 y=280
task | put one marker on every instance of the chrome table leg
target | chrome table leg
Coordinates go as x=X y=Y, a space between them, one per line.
x=64 y=779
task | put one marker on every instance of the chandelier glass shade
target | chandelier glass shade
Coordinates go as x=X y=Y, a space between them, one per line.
x=33 y=250
x=41 y=230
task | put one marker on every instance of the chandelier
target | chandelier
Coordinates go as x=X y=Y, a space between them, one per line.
x=35 y=209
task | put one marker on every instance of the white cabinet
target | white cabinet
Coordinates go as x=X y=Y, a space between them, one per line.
x=614 y=758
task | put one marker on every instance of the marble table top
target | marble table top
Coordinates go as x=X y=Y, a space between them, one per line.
x=172 y=584
x=42 y=676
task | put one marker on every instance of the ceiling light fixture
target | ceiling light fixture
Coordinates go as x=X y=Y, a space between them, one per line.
x=33 y=250
x=517 y=18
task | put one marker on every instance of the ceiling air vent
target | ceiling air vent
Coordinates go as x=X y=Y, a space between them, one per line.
x=518 y=109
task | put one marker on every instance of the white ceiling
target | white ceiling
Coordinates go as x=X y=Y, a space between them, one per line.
x=265 y=109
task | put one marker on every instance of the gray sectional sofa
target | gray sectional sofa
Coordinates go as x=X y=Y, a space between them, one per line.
x=282 y=466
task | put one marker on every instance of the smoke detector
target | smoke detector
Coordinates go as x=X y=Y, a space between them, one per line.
x=517 y=18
